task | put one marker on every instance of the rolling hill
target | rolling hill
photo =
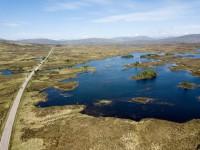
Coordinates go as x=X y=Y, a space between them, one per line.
x=190 y=38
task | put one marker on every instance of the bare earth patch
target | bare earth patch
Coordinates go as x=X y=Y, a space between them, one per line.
x=143 y=100
x=103 y=102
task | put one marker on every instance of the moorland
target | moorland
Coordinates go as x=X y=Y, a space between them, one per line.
x=65 y=127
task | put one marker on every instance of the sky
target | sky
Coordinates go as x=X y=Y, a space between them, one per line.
x=78 y=19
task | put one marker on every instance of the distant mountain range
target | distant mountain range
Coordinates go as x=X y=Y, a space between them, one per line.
x=190 y=38
x=2 y=39
x=88 y=41
x=131 y=39
x=39 y=41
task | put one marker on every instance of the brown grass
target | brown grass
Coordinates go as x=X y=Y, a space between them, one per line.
x=20 y=59
x=65 y=128
x=143 y=100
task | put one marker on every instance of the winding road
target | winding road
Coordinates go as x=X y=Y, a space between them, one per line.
x=6 y=135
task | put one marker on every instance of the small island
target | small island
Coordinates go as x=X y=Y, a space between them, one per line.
x=148 y=56
x=133 y=65
x=145 y=74
x=127 y=56
x=143 y=100
x=103 y=102
x=187 y=85
x=138 y=64
x=107 y=66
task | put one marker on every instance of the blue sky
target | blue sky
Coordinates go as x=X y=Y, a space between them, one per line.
x=75 y=19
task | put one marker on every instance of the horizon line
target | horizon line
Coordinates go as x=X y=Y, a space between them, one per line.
x=67 y=39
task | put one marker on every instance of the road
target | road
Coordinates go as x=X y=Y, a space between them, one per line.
x=5 y=138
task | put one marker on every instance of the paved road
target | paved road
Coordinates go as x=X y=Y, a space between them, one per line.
x=5 y=139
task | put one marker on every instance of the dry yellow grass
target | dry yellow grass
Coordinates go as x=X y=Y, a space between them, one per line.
x=19 y=58
x=103 y=102
x=65 y=128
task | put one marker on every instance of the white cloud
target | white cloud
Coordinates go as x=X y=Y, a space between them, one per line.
x=30 y=35
x=167 y=13
x=65 y=6
x=75 y=19
x=85 y=37
x=100 y=2
x=73 y=5
x=197 y=27
x=12 y=25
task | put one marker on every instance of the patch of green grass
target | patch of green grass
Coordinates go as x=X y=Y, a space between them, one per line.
x=127 y=56
x=132 y=65
x=145 y=74
x=144 y=64
x=149 y=56
x=187 y=85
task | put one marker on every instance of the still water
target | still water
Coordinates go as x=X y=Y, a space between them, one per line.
x=6 y=72
x=112 y=82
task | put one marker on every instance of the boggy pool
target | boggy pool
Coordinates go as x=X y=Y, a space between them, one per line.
x=112 y=82
x=6 y=72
